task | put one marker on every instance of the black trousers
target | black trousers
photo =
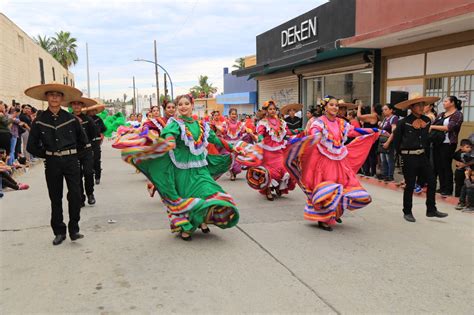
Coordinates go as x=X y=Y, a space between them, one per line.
x=56 y=170
x=86 y=161
x=443 y=158
x=5 y=138
x=370 y=165
x=459 y=178
x=8 y=181
x=415 y=166
x=97 y=157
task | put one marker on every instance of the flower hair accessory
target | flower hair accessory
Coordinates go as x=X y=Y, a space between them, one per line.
x=268 y=103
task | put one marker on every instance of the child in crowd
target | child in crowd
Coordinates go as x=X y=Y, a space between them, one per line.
x=463 y=159
x=466 y=200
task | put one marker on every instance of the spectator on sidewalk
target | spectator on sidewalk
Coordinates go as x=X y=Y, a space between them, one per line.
x=449 y=122
x=466 y=199
x=370 y=120
x=25 y=117
x=464 y=159
x=386 y=150
x=5 y=134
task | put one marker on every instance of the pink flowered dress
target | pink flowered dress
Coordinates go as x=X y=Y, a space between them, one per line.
x=326 y=169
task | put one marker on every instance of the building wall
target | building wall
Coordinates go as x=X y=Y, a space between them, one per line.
x=20 y=65
x=201 y=105
x=373 y=15
x=235 y=84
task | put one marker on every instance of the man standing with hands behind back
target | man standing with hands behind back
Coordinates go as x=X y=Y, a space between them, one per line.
x=56 y=136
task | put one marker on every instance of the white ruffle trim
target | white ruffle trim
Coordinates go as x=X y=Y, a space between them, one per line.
x=269 y=148
x=271 y=131
x=187 y=165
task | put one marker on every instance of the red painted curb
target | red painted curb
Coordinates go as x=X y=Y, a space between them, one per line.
x=393 y=186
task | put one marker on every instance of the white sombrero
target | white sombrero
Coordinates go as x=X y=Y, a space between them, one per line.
x=38 y=92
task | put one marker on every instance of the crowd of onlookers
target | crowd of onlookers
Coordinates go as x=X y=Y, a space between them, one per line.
x=15 y=123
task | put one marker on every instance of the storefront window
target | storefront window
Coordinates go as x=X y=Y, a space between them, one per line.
x=460 y=86
x=346 y=86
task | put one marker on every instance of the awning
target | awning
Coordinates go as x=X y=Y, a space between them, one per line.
x=294 y=61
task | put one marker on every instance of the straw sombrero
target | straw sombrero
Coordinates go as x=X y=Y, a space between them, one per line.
x=349 y=106
x=38 y=92
x=296 y=107
x=86 y=102
x=416 y=98
x=98 y=107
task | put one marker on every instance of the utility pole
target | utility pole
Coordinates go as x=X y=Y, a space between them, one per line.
x=88 y=79
x=156 y=77
x=134 y=97
x=98 y=81
x=165 y=86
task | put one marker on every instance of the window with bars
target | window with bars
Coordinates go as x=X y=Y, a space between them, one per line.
x=461 y=86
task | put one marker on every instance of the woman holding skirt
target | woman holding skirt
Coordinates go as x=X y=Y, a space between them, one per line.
x=183 y=173
x=326 y=169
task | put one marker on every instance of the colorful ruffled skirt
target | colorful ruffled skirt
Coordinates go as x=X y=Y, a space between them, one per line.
x=331 y=186
x=266 y=168
x=192 y=196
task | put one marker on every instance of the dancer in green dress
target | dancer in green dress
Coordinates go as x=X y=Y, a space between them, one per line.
x=185 y=174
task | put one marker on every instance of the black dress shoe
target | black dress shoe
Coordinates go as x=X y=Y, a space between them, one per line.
x=409 y=217
x=59 y=239
x=91 y=199
x=436 y=214
x=97 y=181
x=75 y=236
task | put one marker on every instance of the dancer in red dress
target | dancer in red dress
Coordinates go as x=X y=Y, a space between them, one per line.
x=326 y=169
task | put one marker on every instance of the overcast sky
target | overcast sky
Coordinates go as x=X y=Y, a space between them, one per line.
x=194 y=37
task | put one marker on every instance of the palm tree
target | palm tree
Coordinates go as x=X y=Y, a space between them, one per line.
x=64 y=49
x=204 y=89
x=239 y=63
x=44 y=42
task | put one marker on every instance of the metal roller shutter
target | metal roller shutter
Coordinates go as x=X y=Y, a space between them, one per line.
x=282 y=90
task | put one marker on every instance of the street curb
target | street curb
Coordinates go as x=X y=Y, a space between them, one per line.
x=393 y=186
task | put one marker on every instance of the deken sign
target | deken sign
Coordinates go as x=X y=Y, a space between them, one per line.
x=298 y=33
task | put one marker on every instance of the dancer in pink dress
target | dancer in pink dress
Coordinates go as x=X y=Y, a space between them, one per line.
x=326 y=169
x=271 y=175
x=233 y=131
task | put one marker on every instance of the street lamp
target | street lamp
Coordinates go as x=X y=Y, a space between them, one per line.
x=157 y=64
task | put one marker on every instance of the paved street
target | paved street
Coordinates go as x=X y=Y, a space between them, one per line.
x=273 y=262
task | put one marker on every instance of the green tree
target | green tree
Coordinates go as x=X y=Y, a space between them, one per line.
x=44 y=42
x=204 y=89
x=239 y=63
x=64 y=49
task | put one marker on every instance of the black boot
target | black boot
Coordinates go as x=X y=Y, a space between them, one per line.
x=59 y=239
x=91 y=199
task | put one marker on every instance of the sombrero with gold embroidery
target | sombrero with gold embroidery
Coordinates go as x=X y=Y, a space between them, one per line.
x=296 y=107
x=38 y=92
x=417 y=98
